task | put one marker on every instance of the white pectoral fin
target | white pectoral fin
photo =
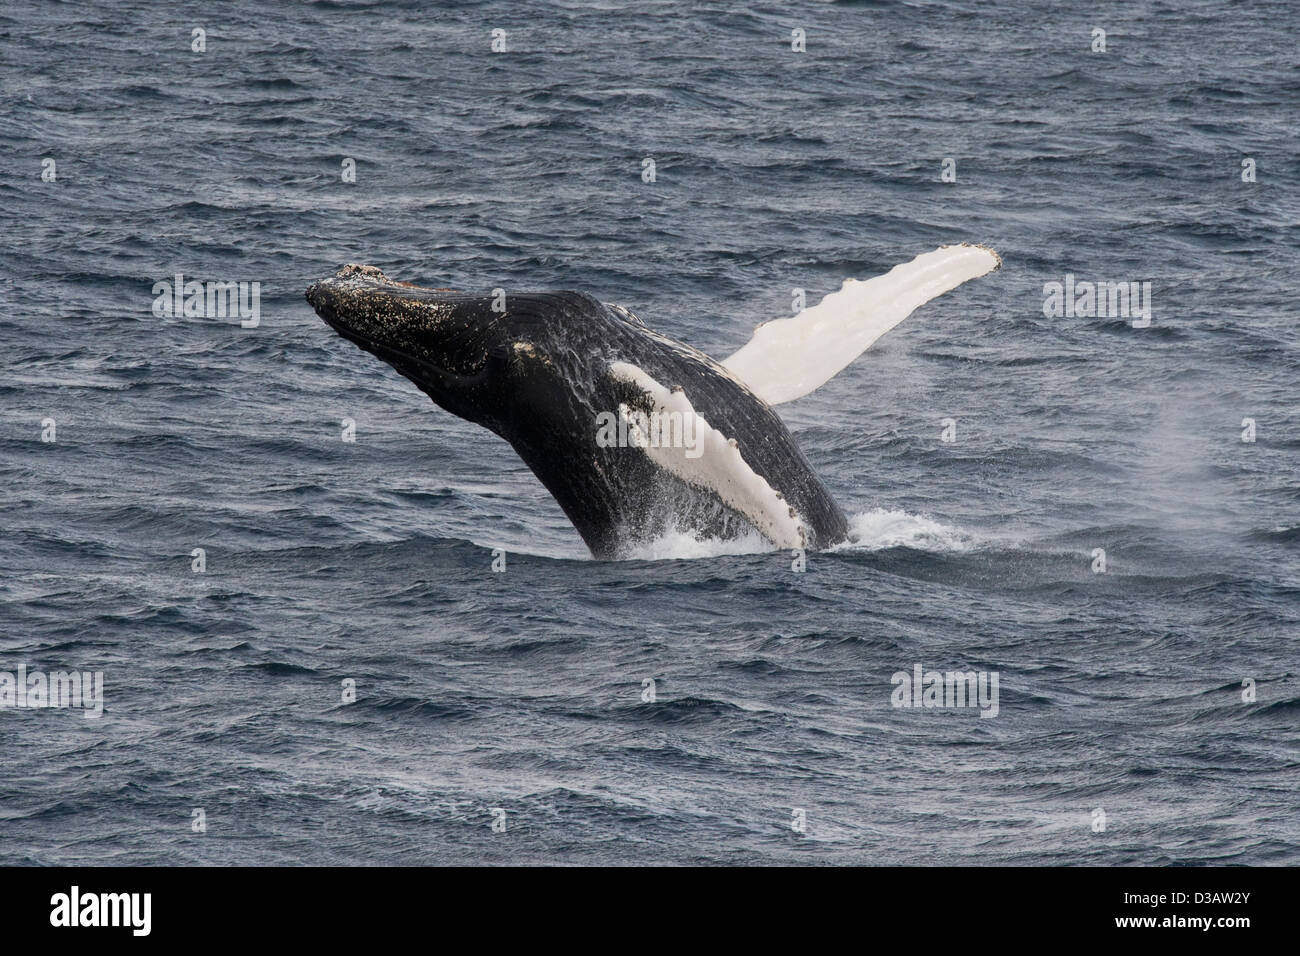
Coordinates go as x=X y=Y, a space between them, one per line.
x=788 y=358
x=679 y=440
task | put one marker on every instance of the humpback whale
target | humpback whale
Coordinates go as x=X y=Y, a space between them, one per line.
x=632 y=432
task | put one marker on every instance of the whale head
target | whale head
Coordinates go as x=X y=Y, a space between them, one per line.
x=458 y=347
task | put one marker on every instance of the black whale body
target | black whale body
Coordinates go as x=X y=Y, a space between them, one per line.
x=536 y=371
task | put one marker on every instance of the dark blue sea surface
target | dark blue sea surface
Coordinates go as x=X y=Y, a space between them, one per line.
x=370 y=561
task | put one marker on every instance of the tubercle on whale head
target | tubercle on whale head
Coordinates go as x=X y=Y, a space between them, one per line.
x=356 y=274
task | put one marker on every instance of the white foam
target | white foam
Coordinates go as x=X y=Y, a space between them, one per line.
x=878 y=529
x=874 y=530
x=788 y=358
x=685 y=546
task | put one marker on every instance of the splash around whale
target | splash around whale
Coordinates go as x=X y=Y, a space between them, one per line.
x=635 y=434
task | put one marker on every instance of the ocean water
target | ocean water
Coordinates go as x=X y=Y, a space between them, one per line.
x=1120 y=692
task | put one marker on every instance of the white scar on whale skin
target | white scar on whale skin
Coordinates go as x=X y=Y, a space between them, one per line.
x=720 y=467
x=788 y=358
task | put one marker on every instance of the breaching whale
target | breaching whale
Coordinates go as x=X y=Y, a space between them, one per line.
x=633 y=433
